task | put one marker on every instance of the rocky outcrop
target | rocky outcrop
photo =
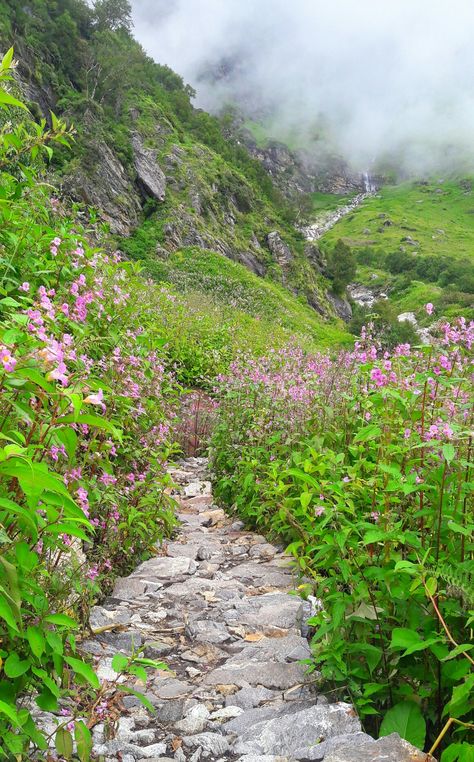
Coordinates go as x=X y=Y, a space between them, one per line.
x=280 y=250
x=101 y=181
x=150 y=177
x=364 y=296
x=341 y=306
x=303 y=171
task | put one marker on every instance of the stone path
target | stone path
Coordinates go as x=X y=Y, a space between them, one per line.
x=216 y=608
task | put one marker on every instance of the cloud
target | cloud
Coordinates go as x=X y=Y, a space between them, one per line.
x=373 y=77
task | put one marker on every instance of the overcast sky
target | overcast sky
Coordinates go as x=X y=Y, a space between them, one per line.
x=382 y=75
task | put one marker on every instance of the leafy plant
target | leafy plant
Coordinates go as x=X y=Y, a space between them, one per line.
x=362 y=463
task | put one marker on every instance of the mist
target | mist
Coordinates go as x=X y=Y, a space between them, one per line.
x=367 y=79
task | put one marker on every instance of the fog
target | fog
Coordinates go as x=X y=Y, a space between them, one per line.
x=368 y=78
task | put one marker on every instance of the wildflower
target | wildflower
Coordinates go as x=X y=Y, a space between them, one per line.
x=25 y=286
x=92 y=572
x=8 y=361
x=96 y=399
x=429 y=308
x=319 y=510
x=375 y=515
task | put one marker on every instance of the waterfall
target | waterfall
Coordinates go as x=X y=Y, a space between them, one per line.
x=370 y=187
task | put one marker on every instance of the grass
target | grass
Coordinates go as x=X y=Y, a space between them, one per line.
x=439 y=217
x=327 y=202
x=262 y=311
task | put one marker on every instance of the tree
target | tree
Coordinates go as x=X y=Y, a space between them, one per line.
x=342 y=266
x=115 y=15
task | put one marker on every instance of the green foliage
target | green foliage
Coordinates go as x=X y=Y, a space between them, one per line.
x=384 y=324
x=341 y=266
x=85 y=410
x=362 y=464
x=412 y=232
x=115 y=15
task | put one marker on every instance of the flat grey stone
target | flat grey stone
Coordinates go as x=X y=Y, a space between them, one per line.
x=127 y=589
x=101 y=616
x=260 y=575
x=247 y=698
x=272 y=609
x=194 y=721
x=165 y=567
x=290 y=648
x=295 y=730
x=269 y=674
x=122 y=641
x=260 y=758
x=211 y=744
x=392 y=748
x=207 y=631
x=170 y=688
x=265 y=551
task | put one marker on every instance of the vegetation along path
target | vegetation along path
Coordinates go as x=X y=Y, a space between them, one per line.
x=217 y=607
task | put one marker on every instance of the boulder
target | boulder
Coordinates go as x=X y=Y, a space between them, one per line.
x=150 y=177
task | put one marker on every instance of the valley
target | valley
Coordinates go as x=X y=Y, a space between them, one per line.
x=235 y=401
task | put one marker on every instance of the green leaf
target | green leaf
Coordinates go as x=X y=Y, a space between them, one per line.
x=402 y=637
x=64 y=743
x=146 y=703
x=6 y=98
x=10 y=711
x=407 y=720
x=62 y=620
x=120 y=662
x=367 y=433
x=7 y=614
x=462 y=699
x=299 y=474
x=36 y=640
x=138 y=671
x=33 y=375
x=7 y=59
x=47 y=701
x=83 y=738
x=90 y=420
x=460 y=752
x=14 y=667
x=461 y=649
x=449 y=452
x=85 y=670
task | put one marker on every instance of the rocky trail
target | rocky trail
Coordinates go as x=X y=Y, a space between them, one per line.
x=326 y=220
x=216 y=607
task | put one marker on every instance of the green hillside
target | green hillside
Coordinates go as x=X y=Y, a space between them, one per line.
x=160 y=173
x=416 y=242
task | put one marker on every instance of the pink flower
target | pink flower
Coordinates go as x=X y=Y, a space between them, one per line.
x=25 y=286
x=8 y=361
x=319 y=510
x=375 y=515
x=96 y=399
x=429 y=308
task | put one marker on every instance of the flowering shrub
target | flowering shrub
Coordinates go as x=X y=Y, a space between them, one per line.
x=362 y=463
x=84 y=427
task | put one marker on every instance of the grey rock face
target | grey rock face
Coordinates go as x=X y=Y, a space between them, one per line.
x=295 y=730
x=341 y=306
x=392 y=748
x=104 y=184
x=280 y=250
x=150 y=177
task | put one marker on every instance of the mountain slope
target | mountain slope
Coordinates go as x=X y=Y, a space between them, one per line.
x=152 y=165
x=415 y=242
